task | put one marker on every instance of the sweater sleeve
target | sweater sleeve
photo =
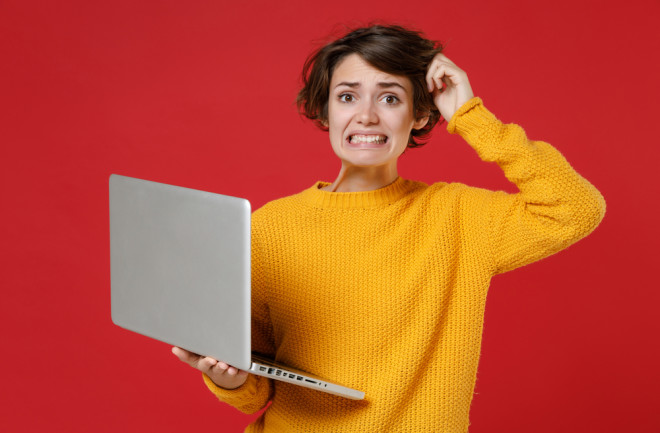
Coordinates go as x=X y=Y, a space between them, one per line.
x=257 y=391
x=555 y=206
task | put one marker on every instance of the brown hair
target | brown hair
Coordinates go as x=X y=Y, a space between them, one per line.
x=389 y=48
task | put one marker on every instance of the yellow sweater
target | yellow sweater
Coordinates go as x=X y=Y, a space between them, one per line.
x=384 y=291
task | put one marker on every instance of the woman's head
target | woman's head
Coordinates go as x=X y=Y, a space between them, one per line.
x=391 y=49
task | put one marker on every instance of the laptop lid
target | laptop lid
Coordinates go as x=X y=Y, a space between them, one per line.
x=180 y=267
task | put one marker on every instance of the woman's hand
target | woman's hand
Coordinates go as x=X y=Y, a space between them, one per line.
x=223 y=375
x=449 y=84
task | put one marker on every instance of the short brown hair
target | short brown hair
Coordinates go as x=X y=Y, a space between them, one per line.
x=389 y=48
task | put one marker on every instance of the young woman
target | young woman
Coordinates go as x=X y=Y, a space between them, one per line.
x=380 y=282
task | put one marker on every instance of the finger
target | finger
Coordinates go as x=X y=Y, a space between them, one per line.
x=434 y=70
x=439 y=77
x=437 y=70
x=206 y=363
x=448 y=74
x=429 y=76
x=227 y=369
x=185 y=356
x=442 y=57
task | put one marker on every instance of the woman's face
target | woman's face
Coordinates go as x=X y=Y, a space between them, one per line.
x=370 y=114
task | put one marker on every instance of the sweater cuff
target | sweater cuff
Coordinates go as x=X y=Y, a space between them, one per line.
x=234 y=397
x=483 y=131
x=471 y=117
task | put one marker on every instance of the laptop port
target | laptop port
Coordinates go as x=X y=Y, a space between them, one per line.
x=299 y=378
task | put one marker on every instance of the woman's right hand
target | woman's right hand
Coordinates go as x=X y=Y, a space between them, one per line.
x=222 y=374
x=449 y=85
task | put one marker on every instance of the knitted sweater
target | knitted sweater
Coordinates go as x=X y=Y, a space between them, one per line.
x=384 y=291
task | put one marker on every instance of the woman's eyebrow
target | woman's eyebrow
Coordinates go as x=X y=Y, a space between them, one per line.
x=389 y=84
x=383 y=84
x=347 y=84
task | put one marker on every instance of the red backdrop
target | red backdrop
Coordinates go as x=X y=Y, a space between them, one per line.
x=201 y=94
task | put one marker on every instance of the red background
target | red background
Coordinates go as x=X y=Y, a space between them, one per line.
x=201 y=94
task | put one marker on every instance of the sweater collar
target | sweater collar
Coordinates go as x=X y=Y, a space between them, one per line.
x=316 y=197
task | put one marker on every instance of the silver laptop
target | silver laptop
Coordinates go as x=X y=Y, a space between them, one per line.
x=180 y=273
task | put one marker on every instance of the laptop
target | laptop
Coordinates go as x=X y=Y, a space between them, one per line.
x=180 y=273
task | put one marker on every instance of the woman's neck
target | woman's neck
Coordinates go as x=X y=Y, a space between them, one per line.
x=354 y=179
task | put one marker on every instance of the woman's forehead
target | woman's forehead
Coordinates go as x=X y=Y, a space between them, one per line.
x=353 y=71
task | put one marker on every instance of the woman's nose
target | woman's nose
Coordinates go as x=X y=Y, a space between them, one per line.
x=367 y=114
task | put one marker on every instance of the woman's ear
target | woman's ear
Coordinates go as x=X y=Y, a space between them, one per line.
x=421 y=122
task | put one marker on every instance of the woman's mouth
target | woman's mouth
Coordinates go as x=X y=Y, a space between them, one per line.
x=363 y=140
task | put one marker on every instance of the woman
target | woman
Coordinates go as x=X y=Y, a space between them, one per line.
x=379 y=282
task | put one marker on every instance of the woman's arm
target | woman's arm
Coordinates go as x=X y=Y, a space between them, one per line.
x=555 y=206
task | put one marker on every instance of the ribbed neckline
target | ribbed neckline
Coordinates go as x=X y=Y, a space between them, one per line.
x=316 y=197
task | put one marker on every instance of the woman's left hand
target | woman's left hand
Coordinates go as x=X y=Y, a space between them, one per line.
x=449 y=84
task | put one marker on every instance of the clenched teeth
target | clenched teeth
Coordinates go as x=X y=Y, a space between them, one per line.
x=380 y=139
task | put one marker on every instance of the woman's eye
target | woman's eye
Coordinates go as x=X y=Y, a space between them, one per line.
x=391 y=99
x=346 y=98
